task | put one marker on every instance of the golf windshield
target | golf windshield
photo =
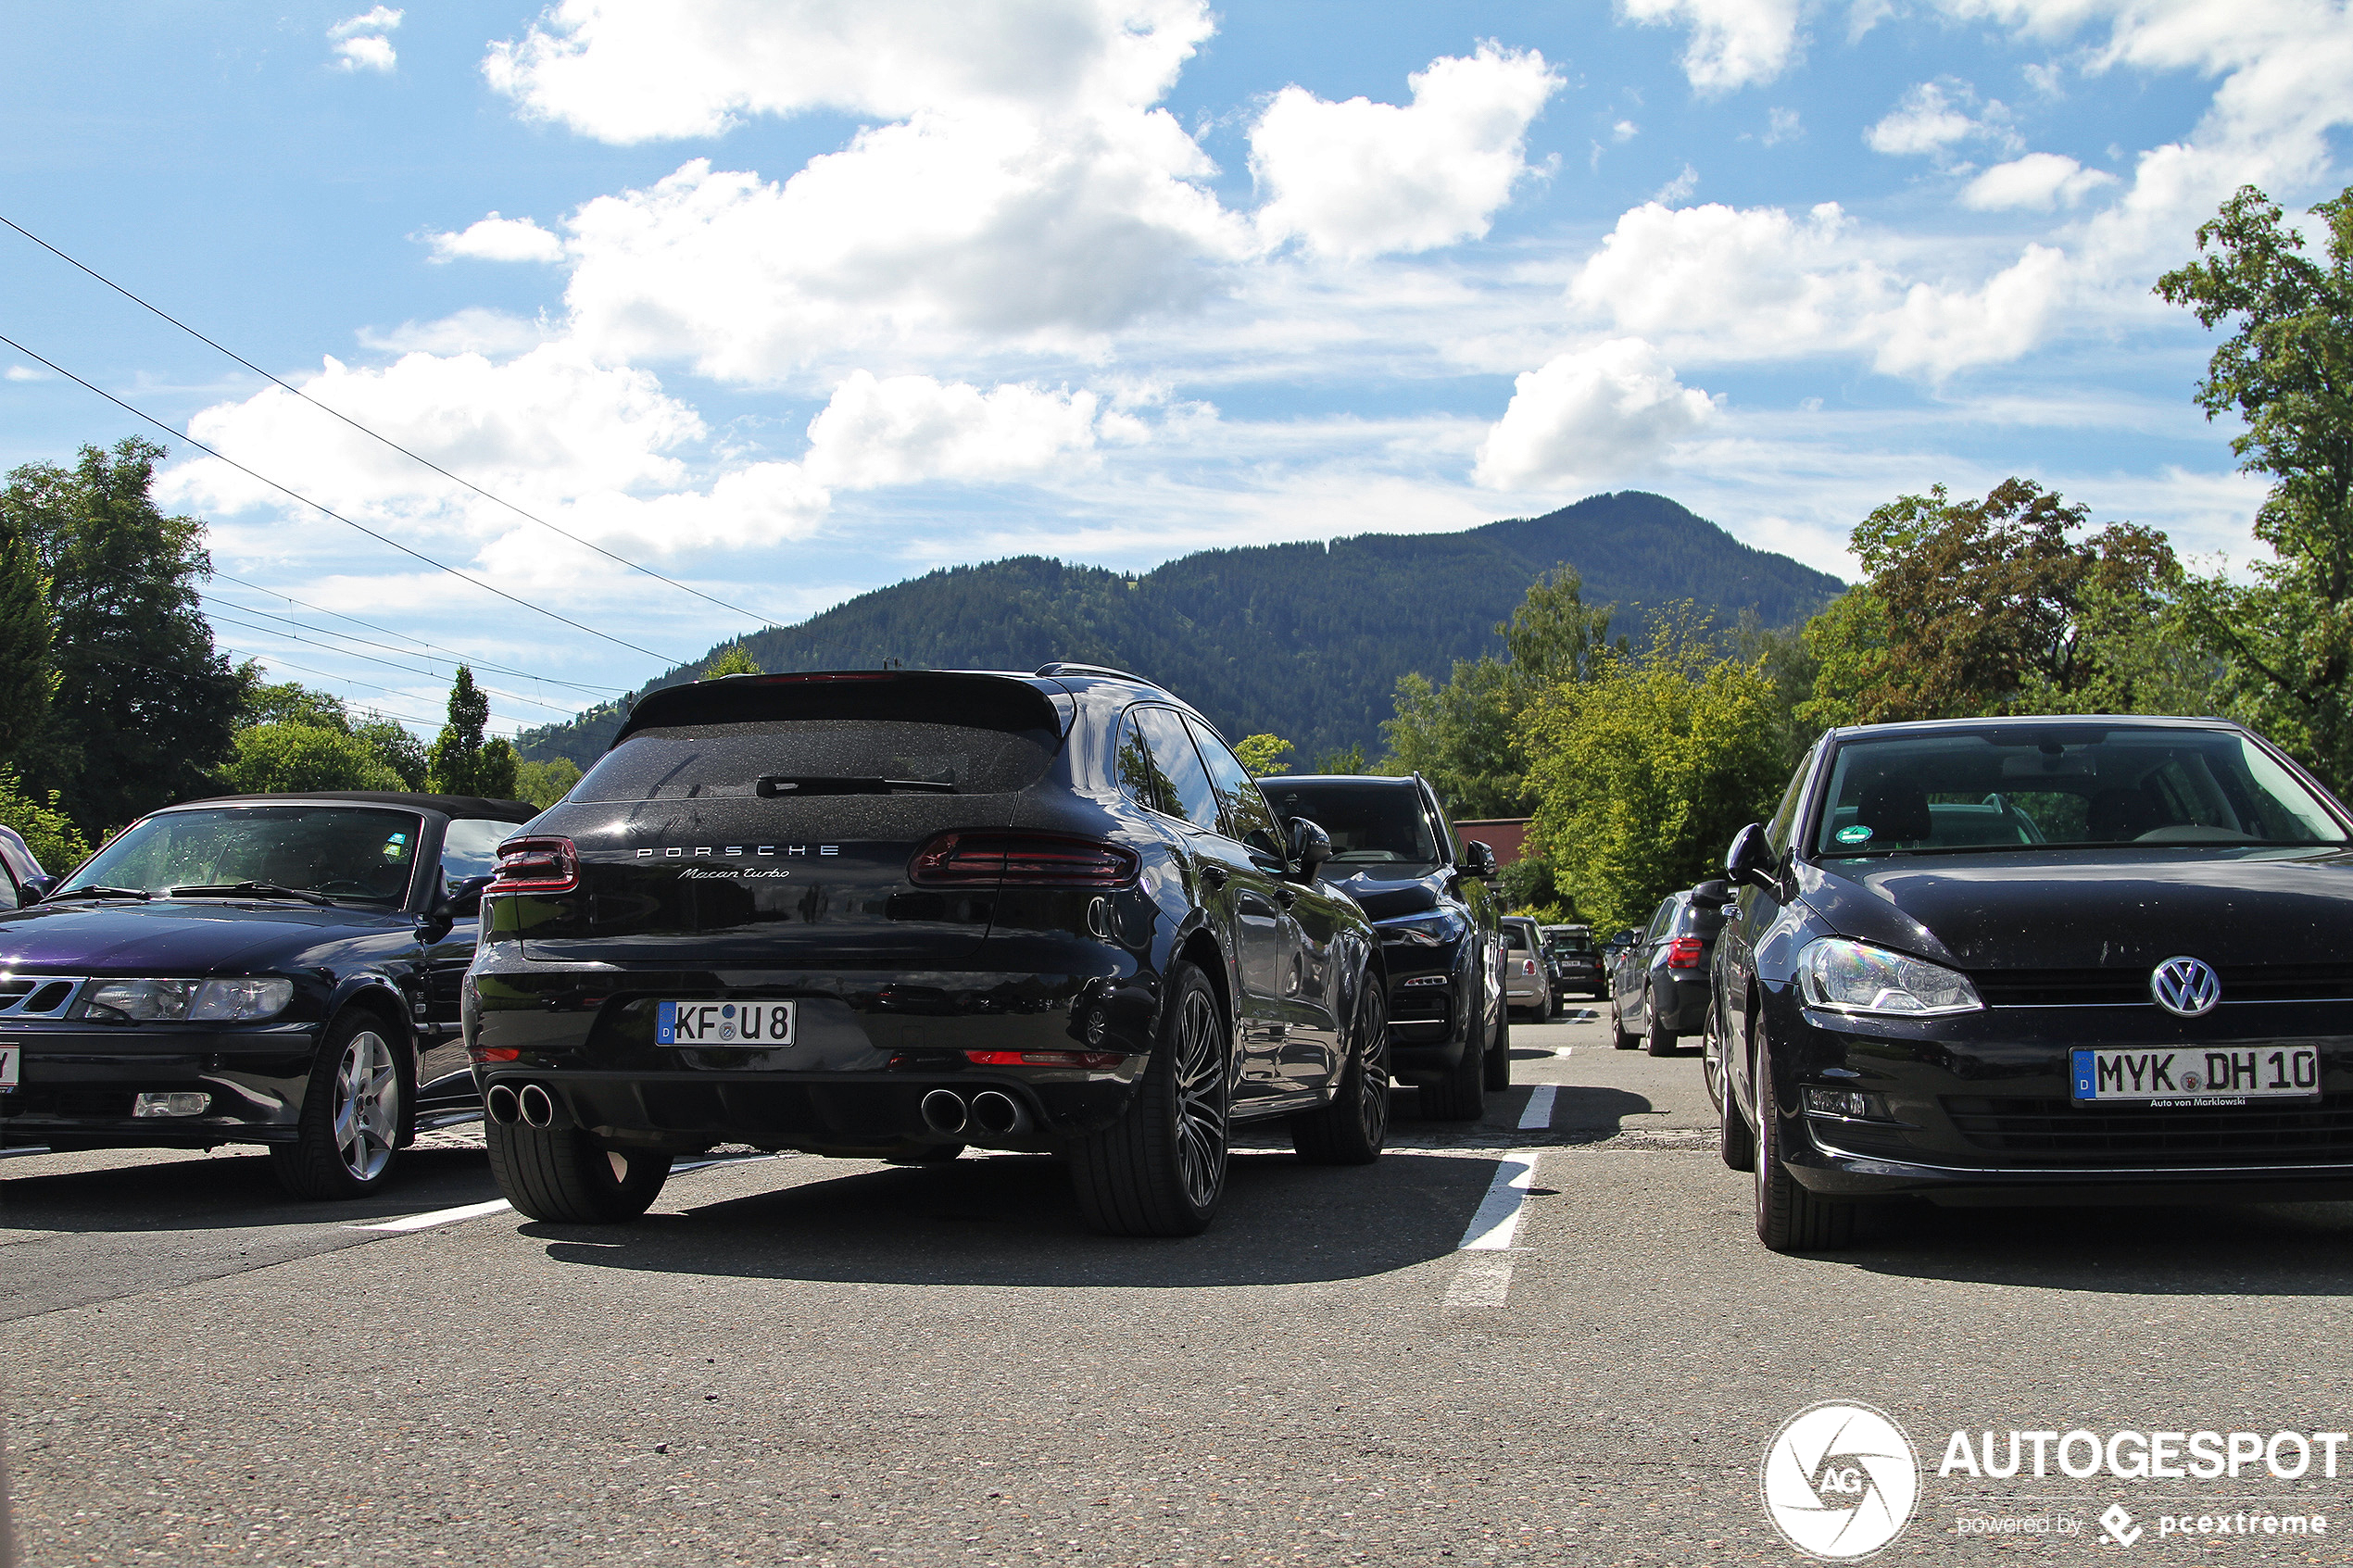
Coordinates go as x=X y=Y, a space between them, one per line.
x=339 y=851
x=2044 y=787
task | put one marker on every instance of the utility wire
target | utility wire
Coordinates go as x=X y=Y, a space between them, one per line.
x=329 y=674
x=410 y=669
x=434 y=647
x=501 y=501
x=323 y=632
x=380 y=538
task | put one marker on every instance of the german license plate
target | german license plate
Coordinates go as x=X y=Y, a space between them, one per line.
x=2198 y=1075
x=11 y=1065
x=723 y=1023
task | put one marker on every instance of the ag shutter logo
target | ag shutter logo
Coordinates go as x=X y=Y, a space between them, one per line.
x=1840 y=1480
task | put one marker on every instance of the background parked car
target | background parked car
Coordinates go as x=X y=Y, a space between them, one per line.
x=1528 y=976
x=1659 y=990
x=1577 y=963
x=1394 y=850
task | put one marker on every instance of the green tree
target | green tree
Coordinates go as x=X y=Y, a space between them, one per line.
x=27 y=633
x=462 y=762
x=1976 y=606
x=1647 y=768
x=1467 y=736
x=735 y=660
x=2286 y=369
x=1262 y=755
x=543 y=783
x=1530 y=886
x=145 y=707
x=288 y=702
x=1348 y=762
x=395 y=747
x=289 y=758
x=43 y=826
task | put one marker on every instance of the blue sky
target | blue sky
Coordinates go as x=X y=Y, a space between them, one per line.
x=789 y=299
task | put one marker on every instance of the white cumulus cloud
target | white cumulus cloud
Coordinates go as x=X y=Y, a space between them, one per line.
x=2038 y=182
x=360 y=43
x=498 y=239
x=1935 y=117
x=1357 y=178
x=1590 y=414
x=905 y=430
x=1734 y=43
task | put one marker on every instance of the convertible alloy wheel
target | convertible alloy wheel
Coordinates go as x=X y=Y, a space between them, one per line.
x=347 y=1137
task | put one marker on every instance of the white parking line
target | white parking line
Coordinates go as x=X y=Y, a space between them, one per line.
x=438 y=1217
x=1566 y=1051
x=1538 y=1116
x=1483 y=1278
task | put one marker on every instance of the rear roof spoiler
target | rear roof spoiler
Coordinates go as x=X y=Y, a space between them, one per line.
x=984 y=700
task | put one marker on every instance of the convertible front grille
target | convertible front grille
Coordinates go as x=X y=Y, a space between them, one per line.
x=2127 y=987
x=2047 y=1131
x=36 y=996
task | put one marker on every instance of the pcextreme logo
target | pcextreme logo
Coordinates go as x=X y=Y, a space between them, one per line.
x=1840 y=1480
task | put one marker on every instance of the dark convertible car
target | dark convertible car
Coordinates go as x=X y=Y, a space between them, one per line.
x=2089 y=959
x=889 y=914
x=269 y=969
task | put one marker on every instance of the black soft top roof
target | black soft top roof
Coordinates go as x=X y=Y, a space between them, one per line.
x=448 y=805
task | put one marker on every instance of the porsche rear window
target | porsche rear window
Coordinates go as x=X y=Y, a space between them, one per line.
x=812 y=756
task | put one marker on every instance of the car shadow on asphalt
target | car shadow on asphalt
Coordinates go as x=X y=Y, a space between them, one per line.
x=225 y=1193
x=2250 y=1249
x=1010 y=1220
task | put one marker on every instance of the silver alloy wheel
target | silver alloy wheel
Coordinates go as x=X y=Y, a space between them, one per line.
x=367 y=1105
x=1200 y=1101
x=1372 y=1103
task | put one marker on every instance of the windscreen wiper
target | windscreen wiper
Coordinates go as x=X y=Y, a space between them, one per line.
x=772 y=785
x=92 y=891
x=256 y=889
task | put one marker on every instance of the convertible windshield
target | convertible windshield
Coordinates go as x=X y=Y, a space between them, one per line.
x=2030 y=787
x=267 y=851
x=1376 y=824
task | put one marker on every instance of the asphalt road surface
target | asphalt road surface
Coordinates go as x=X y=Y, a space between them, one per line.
x=800 y=1360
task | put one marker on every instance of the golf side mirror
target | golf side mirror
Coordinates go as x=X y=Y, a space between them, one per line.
x=1750 y=860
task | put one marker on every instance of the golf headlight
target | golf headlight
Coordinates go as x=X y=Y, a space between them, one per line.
x=1855 y=977
x=1424 y=931
x=205 y=1001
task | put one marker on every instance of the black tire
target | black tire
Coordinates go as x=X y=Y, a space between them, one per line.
x=1735 y=1144
x=361 y=1081
x=1788 y=1217
x=1619 y=1038
x=1351 y=1130
x=1160 y=1169
x=1461 y=1096
x=562 y=1176
x=1656 y=1039
x=927 y=1154
x=1543 y=1007
x=1499 y=1058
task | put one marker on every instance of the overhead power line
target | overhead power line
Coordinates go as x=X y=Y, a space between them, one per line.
x=420 y=642
x=347 y=652
x=329 y=512
x=428 y=462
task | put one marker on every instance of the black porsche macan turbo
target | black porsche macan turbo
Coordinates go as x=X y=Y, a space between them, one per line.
x=279 y=970
x=890 y=914
x=2077 y=959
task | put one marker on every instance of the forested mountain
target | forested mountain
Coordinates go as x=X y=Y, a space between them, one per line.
x=1304 y=641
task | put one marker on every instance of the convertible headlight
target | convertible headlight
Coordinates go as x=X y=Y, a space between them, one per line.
x=1424 y=931
x=1857 y=977
x=207 y=1001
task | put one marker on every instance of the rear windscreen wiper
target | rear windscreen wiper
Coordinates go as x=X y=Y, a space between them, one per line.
x=256 y=889
x=95 y=892
x=774 y=785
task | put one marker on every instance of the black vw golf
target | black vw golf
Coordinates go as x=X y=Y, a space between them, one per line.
x=2088 y=960
x=273 y=970
x=890 y=914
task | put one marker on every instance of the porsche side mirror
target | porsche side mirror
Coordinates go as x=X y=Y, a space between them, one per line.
x=1310 y=847
x=1750 y=860
x=1478 y=860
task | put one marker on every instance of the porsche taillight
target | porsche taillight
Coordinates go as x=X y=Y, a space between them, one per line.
x=1021 y=860
x=536 y=865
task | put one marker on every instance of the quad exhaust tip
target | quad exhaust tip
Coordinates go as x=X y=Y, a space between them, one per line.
x=537 y=1106
x=995 y=1112
x=499 y=1104
x=944 y=1111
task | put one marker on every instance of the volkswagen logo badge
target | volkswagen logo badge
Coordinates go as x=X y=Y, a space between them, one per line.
x=2185 y=987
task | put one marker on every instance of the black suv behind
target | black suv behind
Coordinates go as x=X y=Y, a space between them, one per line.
x=1394 y=850
x=889 y=914
x=1659 y=988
